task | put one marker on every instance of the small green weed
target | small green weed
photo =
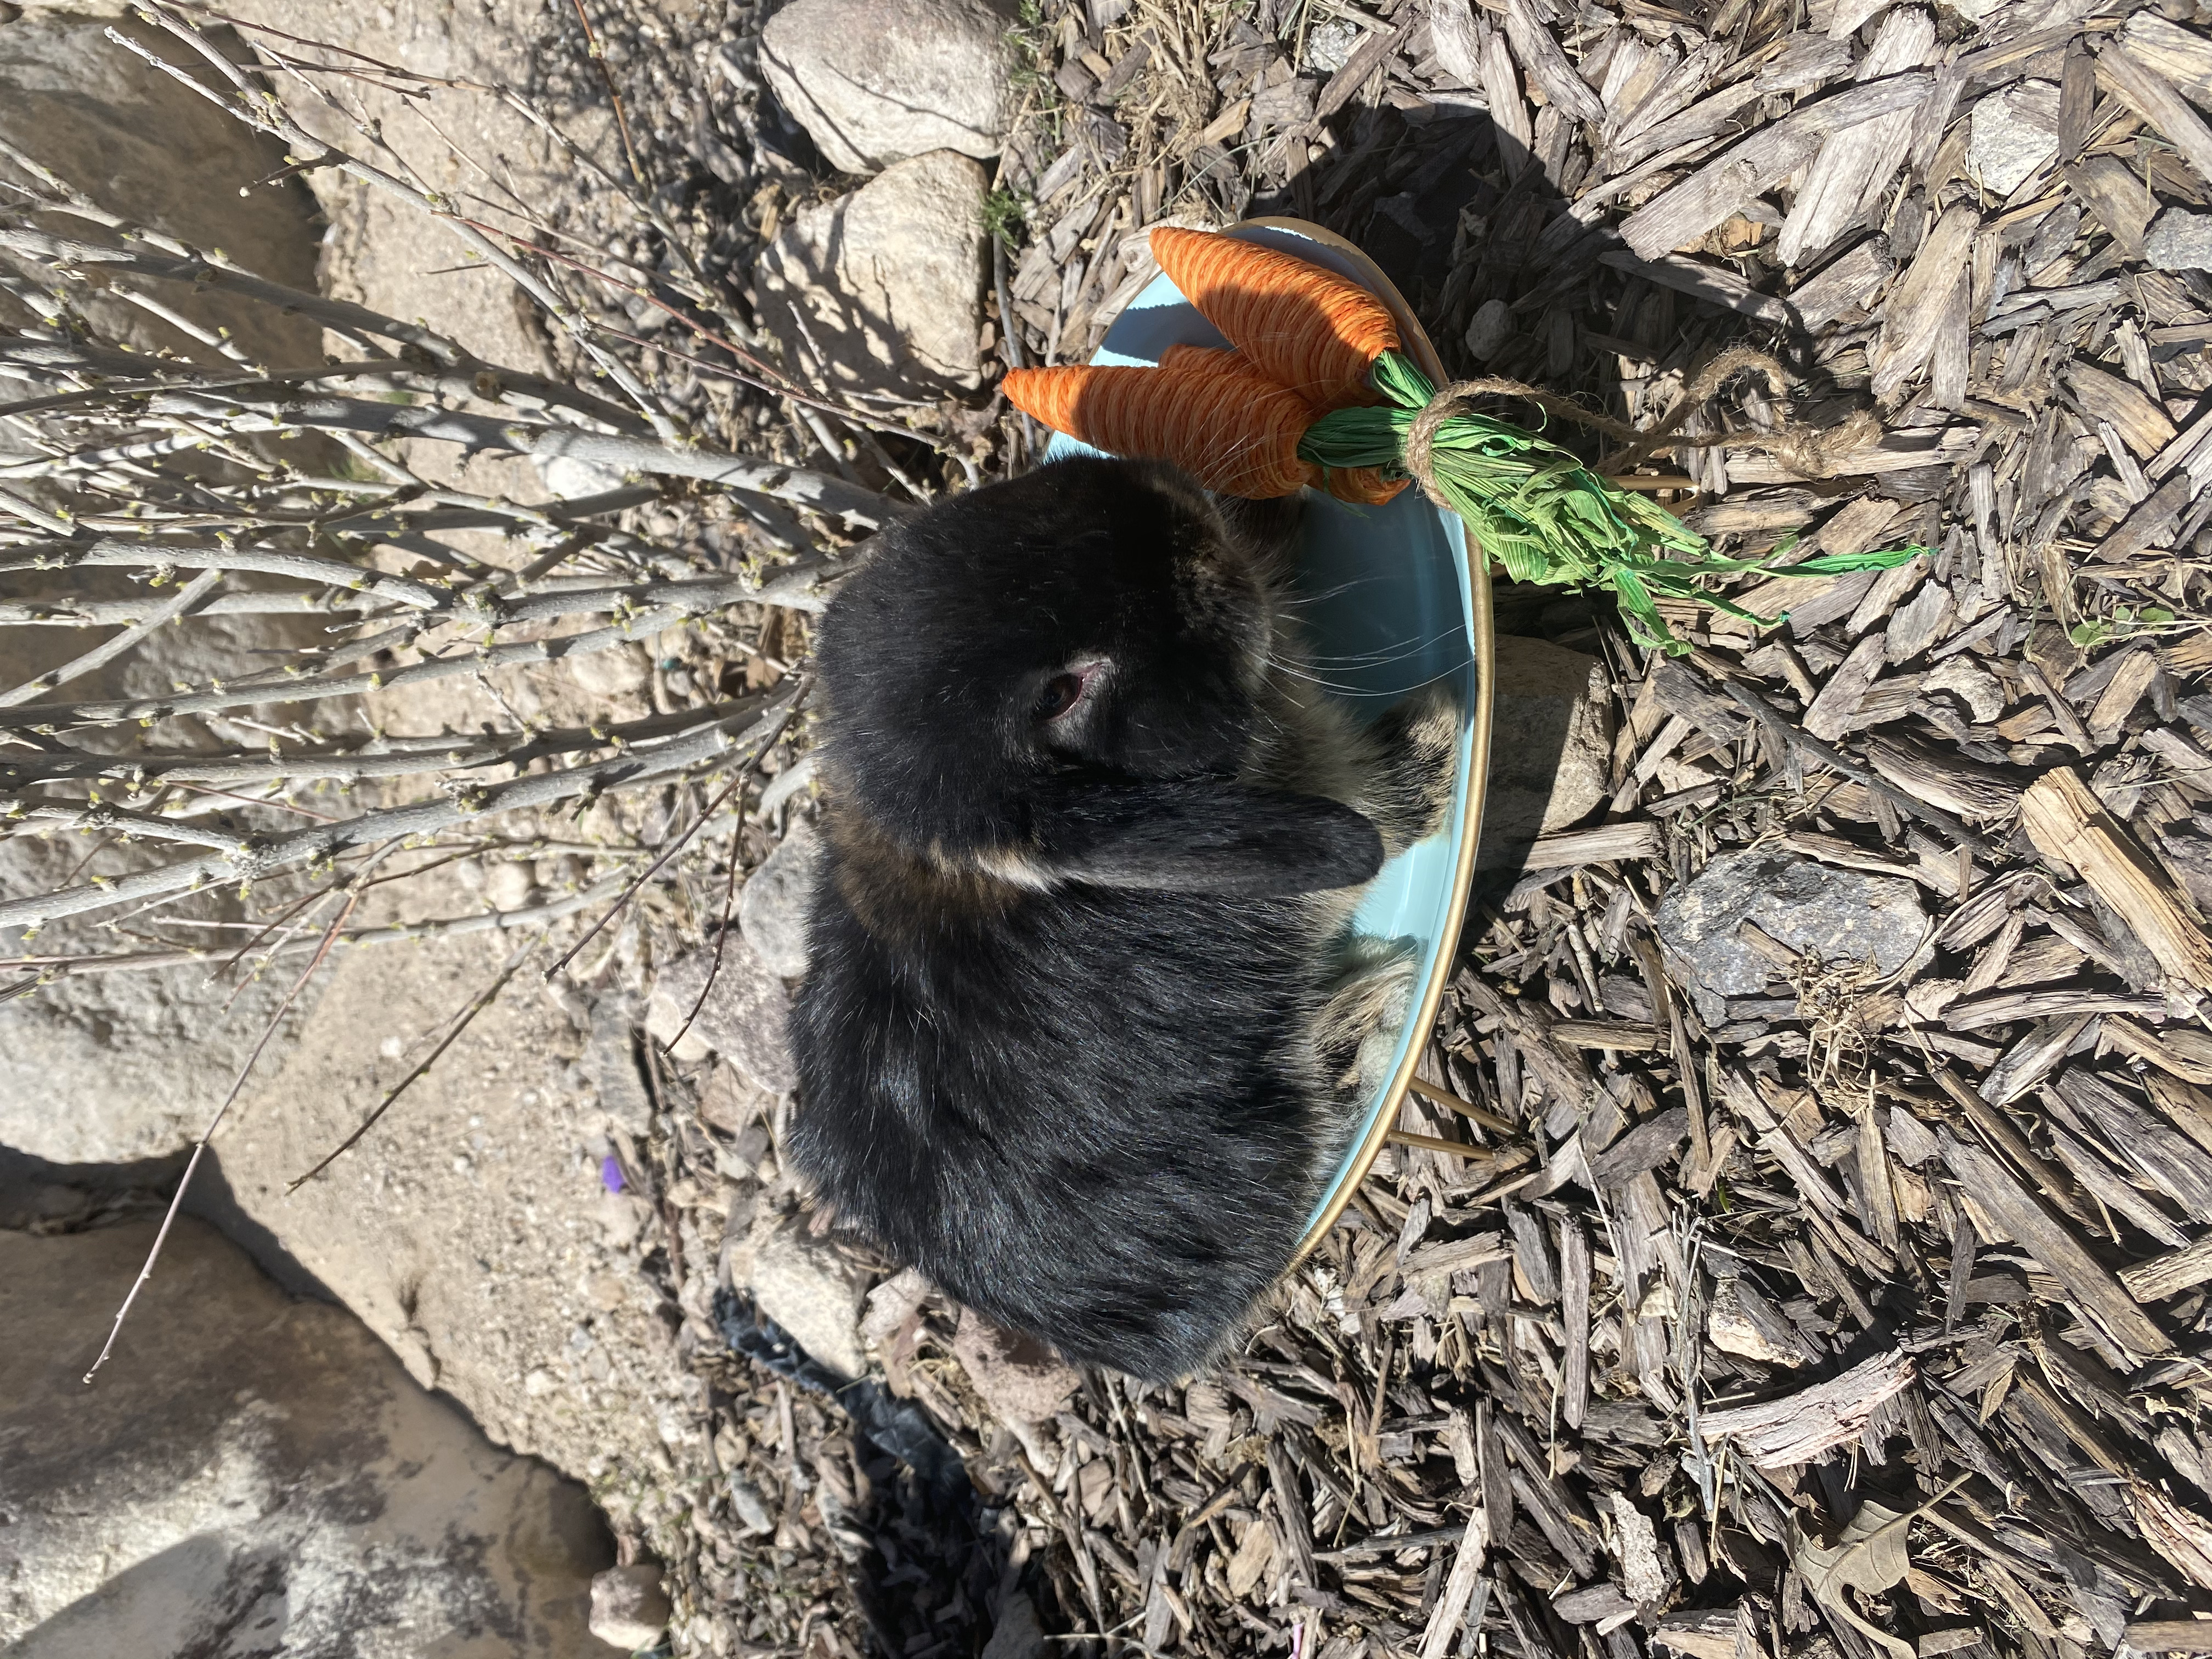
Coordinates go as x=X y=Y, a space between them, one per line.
x=1004 y=217
x=2126 y=622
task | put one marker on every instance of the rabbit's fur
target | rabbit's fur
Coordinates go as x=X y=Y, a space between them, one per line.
x=1081 y=1036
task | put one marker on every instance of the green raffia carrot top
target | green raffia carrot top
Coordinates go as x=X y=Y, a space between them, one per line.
x=1318 y=392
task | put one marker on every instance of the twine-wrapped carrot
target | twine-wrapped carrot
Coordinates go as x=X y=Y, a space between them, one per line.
x=1238 y=434
x=1317 y=390
x=1362 y=486
x=1306 y=328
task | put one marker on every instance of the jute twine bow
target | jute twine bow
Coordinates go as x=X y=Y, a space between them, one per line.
x=1806 y=450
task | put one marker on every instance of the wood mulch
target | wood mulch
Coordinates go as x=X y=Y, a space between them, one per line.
x=1866 y=1311
x=1861 y=1310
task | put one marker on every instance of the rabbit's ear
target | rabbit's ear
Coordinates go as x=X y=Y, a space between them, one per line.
x=1208 y=837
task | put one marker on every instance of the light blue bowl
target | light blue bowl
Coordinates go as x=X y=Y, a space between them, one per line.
x=1397 y=606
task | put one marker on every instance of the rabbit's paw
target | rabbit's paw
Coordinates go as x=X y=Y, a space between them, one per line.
x=1356 y=1035
x=1417 y=743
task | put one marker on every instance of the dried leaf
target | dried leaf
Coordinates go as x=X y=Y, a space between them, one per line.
x=1870 y=1557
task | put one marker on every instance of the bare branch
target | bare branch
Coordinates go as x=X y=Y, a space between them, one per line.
x=86 y=819
x=414 y=933
x=110 y=553
x=108 y=650
x=261 y=110
x=795 y=588
x=706 y=748
x=823 y=494
x=381 y=757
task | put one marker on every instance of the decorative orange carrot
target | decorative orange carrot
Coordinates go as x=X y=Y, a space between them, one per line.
x=1364 y=486
x=1304 y=327
x=1318 y=390
x=1239 y=433
x=1217 y=360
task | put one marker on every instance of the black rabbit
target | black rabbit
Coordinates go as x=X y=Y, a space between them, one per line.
x=1080 y=1035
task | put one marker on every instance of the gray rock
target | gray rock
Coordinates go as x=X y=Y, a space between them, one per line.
x=808 y=1286
x=1017 y=1635
x=2013 y=134
x=1492 y=324
x=772 y=906
x=1551 y=749
x=882 y=290
x=733 y=1104
x=753 y=1517
x=252 y=1474
x=1836 y=914
x=509 y=884
x=874 y=81
x=89 y=1069
x=630 y=1608
x=2180 y=240
x=1330 y=44
x=1019 y=1378
x=619 y=671
x=742 y=1018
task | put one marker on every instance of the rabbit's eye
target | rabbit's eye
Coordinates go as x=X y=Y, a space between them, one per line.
x=1061 y=693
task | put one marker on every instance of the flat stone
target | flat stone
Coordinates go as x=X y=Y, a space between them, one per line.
x=808 y=1286
x=773 y=904
x=630 y=1608
x=416 y=1230
x=742 y=1018
x=1551 y=749
x=875 y=82
x=2180 y=240
x=2014 y=133
x=1019 y=1378
x=253 y=1474
x=882 y=290
x=1835 y=915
